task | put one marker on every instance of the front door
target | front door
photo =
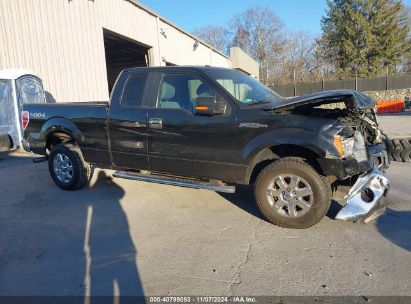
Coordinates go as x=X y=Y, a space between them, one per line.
x=183 y=143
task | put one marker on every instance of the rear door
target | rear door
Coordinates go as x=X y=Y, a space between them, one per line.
x=128 y=121
x=183 y=143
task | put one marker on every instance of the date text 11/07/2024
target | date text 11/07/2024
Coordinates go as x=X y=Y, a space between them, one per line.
x=201 y=299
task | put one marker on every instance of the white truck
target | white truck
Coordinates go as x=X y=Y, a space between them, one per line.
x=17 y=87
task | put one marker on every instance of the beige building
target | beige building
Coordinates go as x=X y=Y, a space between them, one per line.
x=78 y=47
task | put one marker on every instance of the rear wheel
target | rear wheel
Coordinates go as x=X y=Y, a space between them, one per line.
x=291 y=194
x=68 y=168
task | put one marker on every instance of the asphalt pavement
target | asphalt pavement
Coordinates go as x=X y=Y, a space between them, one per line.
x=121 y=237
x=396 y=124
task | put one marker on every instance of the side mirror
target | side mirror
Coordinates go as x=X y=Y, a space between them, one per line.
x=209 y=106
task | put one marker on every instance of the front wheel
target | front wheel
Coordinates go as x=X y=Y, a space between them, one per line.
x=68 y=168
x=291 y=194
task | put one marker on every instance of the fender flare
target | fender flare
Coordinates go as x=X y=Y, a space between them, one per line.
x=60 y=125
x=261 y=147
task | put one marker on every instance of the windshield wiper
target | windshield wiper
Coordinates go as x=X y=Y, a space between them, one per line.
x=258 y=102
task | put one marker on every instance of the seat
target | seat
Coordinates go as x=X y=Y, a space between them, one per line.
x=204 y=90
x=167 y=94
x=173 y=96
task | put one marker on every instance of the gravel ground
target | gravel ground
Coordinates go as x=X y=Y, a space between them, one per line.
x=128 y=238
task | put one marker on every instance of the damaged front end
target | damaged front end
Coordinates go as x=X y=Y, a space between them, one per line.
x=358 y=149
x=365 y=200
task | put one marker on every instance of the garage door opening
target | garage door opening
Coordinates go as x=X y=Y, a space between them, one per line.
x=122 y=53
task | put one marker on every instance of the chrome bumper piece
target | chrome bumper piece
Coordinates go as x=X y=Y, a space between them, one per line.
x=365 y=198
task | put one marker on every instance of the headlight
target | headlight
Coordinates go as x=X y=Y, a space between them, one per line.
x=351 y=147
x=344 y=146
x=360 y=150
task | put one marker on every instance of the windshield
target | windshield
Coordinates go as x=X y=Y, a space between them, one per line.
x=245 y=89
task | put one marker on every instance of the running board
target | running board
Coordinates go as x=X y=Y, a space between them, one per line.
x=174 y=181
x=39 y=159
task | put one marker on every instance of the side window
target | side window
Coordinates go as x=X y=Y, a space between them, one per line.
x=134 y=90
x=199 y=88
x=180 y=91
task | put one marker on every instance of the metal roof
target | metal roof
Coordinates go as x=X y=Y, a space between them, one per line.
x=140 y=5
x=15 y=73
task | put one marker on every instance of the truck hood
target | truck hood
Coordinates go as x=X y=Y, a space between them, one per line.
x=357 y=99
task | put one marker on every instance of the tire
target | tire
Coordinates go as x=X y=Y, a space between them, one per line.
x=406 y=152
x=396 y=151
x=67 y=167
x=300 y=215
x=402 y=150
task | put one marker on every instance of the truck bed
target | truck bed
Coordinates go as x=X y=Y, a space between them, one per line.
x=88 y=118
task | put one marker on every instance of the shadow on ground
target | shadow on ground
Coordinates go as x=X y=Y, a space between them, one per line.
x=396 y=227
x=4 y=155
x=112 y=255
x=78 y=244
x=243 y=198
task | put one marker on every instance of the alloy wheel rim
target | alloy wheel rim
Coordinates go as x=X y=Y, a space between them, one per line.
x=290 y=195
x=63 y=168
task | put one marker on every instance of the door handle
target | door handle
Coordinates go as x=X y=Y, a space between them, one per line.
x=131 y=124
x=155 y=123
x=139 y=125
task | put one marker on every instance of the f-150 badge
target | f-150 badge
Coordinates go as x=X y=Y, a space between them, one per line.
x=38 y=115
x=253 y=125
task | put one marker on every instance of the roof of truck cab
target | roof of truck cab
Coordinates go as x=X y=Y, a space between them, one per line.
x=179 y=67
x=15 y=73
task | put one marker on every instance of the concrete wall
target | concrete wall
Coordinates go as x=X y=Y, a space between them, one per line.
x=62 y=41
x=403 y=94
x=242 y=61
x=178 y=48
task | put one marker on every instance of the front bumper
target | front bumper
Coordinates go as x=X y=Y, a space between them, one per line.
x=346 y=168
x=365 y=199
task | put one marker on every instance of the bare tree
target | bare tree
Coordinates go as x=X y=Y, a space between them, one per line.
x=407 y=62
x=217 y=36
x=283 y=55
x=298 y=60
x=258 y=31
x=407 y=16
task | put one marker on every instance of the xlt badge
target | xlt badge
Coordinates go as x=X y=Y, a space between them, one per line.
x=253 y=125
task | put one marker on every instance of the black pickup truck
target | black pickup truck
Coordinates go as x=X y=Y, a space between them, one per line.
x=215 y=128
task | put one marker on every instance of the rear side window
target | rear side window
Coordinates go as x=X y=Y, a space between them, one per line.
x=134 y=90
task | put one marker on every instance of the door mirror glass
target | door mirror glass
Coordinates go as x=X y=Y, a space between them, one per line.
x=209 y=106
